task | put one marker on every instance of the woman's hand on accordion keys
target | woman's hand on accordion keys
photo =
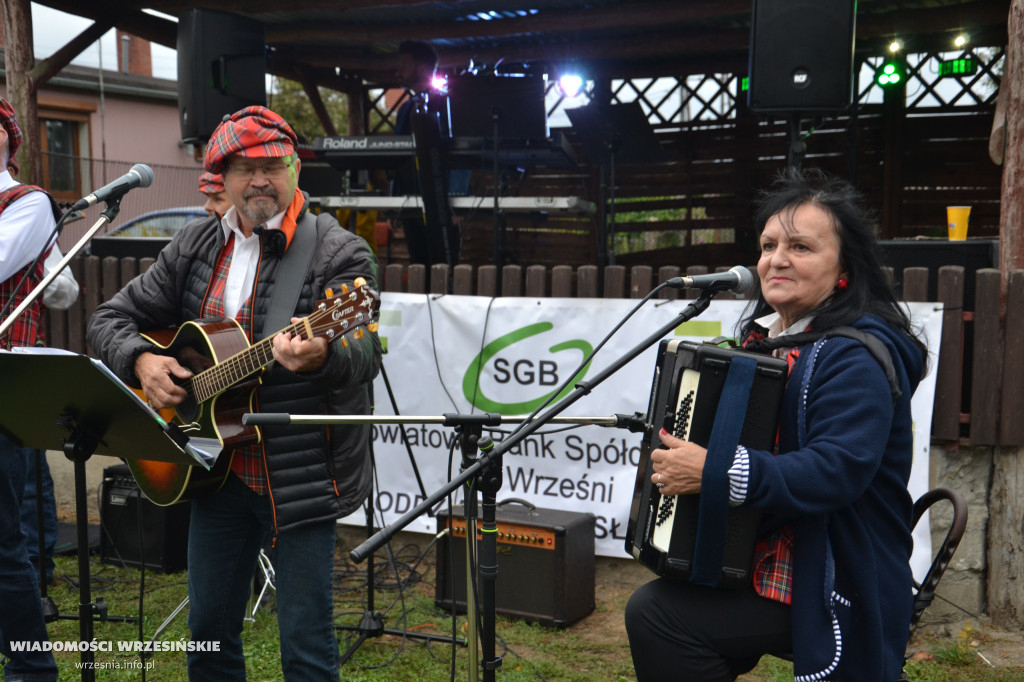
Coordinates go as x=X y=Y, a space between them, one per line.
x=678 y=466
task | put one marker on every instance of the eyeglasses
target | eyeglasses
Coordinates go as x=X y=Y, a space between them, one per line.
x=271 y=171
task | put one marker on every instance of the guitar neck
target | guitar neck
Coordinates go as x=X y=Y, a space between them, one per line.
x=239 y=366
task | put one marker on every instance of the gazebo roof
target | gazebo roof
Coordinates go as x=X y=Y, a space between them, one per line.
x=329 y=42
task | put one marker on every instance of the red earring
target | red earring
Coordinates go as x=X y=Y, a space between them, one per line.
x=842 y=283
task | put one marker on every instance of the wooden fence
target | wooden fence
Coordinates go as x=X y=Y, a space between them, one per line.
x=979 y=392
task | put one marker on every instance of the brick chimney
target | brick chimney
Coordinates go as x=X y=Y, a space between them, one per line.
x=133 y=55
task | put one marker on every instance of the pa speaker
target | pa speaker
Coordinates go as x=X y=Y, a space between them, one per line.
x=222 y=68
x=136 y=532
x=801 y=55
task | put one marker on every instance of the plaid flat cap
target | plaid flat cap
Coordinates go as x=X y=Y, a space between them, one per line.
x=255 y=132
x=9 y=121
x=211 y=183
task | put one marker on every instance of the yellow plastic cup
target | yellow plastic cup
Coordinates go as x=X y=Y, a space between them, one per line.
x=957 y=218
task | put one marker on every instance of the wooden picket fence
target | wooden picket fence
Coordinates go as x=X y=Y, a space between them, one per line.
x=979 y=392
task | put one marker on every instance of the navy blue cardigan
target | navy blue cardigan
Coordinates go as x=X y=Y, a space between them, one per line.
x=841 y=481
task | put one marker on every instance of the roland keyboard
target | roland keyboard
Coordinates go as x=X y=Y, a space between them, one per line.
x=371 y=152
x=413 y=205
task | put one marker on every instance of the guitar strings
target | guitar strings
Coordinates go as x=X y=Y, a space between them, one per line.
x=221 y=376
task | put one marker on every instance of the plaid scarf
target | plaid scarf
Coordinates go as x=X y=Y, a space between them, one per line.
x=773 y=555
x=248 y=463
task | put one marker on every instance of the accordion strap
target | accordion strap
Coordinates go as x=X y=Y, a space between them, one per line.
x=709 y=548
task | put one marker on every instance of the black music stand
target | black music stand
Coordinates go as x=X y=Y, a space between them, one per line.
x=57 y=400
x=610 y=135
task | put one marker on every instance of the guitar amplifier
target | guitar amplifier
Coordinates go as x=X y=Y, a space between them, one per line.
x=136 y=532
x=545 y=564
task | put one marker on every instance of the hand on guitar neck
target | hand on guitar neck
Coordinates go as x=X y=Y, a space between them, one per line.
x=297 y=354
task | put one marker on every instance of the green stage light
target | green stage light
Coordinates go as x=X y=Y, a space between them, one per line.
x=890 y=73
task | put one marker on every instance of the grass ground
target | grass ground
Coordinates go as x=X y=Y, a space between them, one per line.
x=594 y=648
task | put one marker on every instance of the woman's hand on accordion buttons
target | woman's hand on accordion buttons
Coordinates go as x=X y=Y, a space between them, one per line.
x=678 y=466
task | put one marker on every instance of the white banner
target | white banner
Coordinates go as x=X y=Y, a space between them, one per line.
x=469 y=354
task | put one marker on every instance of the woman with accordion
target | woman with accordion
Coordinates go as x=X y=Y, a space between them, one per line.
x=831 y=576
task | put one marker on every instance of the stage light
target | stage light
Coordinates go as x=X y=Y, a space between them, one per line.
x=961 y=40
x=890 y=73
x=570 y=85
x=439 y=82
x=895 y=46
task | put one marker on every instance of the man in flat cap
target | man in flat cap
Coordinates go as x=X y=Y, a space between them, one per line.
x=211 y=185
x=291 y=486
x=26 y=229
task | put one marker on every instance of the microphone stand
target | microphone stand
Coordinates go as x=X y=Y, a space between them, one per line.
x=484 y=467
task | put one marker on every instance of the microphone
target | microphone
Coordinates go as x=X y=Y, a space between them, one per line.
x=737 y=280
x=140 y=175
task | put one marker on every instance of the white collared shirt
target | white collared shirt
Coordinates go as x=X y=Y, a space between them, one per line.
x=244 y=260
x=25 y=229
x=773 y=323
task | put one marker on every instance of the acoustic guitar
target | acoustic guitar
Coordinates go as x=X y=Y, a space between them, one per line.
x=225 y=372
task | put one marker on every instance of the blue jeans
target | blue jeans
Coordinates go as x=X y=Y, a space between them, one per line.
x=30 y=514
x=21 y=613
x=226 y=532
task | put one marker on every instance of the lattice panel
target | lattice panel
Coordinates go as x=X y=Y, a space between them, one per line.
x=926 y=89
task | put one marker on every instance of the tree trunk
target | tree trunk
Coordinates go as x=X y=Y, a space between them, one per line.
x=1011 y=218
x=20 y=87
x=1006 y=539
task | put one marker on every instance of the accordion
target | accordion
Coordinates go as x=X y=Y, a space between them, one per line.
x=686 y=391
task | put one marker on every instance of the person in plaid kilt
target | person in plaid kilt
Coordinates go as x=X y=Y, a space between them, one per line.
x=290 y=488
x=26 y=226
x=831 y=577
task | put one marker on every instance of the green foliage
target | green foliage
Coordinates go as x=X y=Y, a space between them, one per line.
x=290 y=100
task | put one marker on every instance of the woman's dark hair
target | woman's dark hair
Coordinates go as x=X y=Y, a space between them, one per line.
x=868 y=289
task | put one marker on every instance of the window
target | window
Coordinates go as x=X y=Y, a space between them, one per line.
x=64 y=141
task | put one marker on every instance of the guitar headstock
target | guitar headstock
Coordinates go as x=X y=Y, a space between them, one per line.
x=351 y=310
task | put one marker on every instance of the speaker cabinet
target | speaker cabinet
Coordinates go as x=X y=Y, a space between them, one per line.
x=222 y=68
x=545 y=564
x=801 y=55
x=136 y=532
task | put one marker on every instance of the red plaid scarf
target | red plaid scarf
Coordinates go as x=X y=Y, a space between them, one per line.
x=27 y=329
x=247 y=462
x=773 y=555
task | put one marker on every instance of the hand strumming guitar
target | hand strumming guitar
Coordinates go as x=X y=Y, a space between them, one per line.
x=298 y=354
x=155 y=373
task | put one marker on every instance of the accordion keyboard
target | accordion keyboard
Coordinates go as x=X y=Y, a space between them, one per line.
x=682 y=418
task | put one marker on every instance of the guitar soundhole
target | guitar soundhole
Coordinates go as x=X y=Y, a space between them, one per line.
x=188 y=410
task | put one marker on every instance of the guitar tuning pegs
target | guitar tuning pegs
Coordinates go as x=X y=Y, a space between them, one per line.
x=344 y=342
x=358 y=333
x=373 y=327
x=360 y=281
x=344 y=288
x=330 y=293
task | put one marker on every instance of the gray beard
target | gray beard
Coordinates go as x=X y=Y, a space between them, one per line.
x=265 y=207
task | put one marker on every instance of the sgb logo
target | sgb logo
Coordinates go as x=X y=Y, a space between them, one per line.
x=521 y=371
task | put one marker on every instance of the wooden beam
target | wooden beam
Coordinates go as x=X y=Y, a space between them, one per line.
x=670 y=44
x=544 y=22
x=317 y=102
x=49 y=67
